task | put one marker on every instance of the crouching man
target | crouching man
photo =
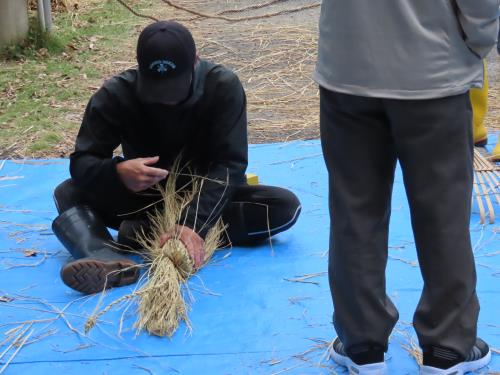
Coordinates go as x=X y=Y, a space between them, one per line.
x=173 y=105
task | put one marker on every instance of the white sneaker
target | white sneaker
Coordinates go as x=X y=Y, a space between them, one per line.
x=339 y=355
x=479 y=356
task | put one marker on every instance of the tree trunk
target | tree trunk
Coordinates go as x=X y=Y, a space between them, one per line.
x=13 y=21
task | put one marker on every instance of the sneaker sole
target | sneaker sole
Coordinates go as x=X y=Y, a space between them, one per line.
x=379 y=368
x=459 y=369
x=90 y=276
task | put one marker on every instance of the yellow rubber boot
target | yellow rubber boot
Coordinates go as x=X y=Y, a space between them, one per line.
x=479 y=101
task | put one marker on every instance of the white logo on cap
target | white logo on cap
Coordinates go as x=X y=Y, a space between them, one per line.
x=162 y=66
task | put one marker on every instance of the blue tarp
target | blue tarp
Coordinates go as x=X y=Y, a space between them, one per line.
x=250 y=314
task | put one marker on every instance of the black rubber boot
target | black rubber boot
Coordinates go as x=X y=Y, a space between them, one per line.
x=127 y=235
x=97 y=266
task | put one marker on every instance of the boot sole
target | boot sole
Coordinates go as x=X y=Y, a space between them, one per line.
x=91 y=276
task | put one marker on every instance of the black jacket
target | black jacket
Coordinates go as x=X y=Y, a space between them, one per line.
x=209 y=129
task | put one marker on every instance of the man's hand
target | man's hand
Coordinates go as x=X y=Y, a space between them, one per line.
x=193 y=242
x=138 y=176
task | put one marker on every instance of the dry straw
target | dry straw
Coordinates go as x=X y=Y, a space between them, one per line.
x=161 y=305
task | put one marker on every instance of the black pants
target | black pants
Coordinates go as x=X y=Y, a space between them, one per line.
x=362 y=138
x=255 y=212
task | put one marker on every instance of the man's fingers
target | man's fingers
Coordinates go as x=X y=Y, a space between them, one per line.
x=186 y=240
x=200 y=259
x=145 y=182
x=198 y=252
x=196 y=258
x=194 y=249
x=202 y=255
x=155 y=172
x=149 y=161
x=193 y=256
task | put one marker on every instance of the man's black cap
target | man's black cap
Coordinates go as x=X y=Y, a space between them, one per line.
x=166 y=54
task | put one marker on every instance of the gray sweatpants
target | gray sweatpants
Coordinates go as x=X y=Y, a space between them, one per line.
x=362 y=138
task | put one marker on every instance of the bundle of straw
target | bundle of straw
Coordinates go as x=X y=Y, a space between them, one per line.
x=160 y=299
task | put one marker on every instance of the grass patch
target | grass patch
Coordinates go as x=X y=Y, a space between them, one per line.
x=46 y=81
x=46 y=142
x=36 y=40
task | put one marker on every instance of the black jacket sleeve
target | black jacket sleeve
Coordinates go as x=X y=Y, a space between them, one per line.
x=92 y=165
x=228 y=149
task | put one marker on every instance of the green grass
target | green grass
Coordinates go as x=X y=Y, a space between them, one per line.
x=46 y=81
x=36 y=40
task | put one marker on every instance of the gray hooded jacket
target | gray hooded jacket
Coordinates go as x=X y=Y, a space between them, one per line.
x=404 y=49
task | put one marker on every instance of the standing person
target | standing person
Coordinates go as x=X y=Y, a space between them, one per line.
x=479 y=103
x=394 y=79
x=173 y=104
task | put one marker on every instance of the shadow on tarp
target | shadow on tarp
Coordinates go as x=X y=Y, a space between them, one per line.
x=247 y=317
